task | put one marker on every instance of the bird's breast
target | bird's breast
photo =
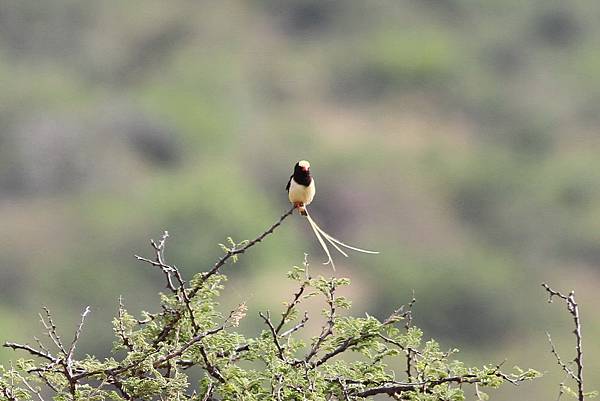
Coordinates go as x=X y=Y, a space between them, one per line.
x=301 y=193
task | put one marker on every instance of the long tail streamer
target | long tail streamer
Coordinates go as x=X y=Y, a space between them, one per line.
x=336 y=243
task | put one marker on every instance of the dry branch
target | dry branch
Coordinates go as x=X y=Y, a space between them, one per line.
x=573 y=309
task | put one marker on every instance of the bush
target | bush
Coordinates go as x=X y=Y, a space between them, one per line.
x=155 y=355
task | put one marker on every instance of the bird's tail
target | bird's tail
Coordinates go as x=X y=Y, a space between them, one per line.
x=320 y=234
x=317 y=232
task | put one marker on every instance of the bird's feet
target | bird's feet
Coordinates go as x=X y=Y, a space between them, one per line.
x=300 y=207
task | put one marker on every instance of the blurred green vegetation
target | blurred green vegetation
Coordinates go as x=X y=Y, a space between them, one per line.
x=458 y=138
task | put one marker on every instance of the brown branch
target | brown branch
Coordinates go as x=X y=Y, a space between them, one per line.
x=349 y=342
x=327 y=329
x=564 y=367
x=77 y=335
x=401 y=313
x=178 y=352
x=121 y=328
x=573 y=309
x=168 y=328
x=31 y=350
x=169 y=271
x=211 y=369
x=119 y=386
x=194 y=290
x=46 y=381
x=209 y=392
x=232 y=355
x=268 y=322
x=296 y=327
x=166 y=269
x=553 y=293
x=352 y=341
x=51 y=330
x=398 y=388
x=186 y=299
x=65 y=363
x=30 y=387
x=291 y=306
x=233 y=252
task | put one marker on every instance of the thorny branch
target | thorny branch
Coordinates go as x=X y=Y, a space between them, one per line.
x=564 y=366
x=293 y=304
x=326 y=330
x=76 y=337
x=125 y=340
x=267 y=319
x=573 y=309
x=190 y=293
x=237 y=251
x=169 y=271
x=31 y=350
x=51 y=331
x=400 y=388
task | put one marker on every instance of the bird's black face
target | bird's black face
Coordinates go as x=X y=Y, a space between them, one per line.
x=302 y=173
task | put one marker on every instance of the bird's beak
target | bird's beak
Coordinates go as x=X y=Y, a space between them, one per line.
x=304 y=169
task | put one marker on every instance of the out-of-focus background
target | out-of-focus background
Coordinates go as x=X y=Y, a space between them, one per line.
x=459 y=138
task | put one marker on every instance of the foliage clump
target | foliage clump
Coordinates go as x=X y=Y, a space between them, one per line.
x=155 y=356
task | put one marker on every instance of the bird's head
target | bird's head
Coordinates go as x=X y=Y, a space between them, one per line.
x=302 y=166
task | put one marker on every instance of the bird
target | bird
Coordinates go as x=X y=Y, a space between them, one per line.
x=301 y=192
x=301 y=187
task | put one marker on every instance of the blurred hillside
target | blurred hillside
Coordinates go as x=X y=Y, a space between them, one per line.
x=459 y=139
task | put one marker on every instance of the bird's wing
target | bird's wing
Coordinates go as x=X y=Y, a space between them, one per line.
x=287 y=187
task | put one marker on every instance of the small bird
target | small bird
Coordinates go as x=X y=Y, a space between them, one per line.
x=301 y=191
x=301 y=186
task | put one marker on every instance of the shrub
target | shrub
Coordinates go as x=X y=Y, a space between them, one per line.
x=154 y=356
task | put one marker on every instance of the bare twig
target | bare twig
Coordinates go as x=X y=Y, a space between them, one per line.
x=30 y=387
x=398 y=388
x=296 y=327
x=564 y=367
x=170 y=271
x=267 y=319
x=121 y=328
x=327 y=329
x=209 y=392
x=404 y=312
x=77 y=335
x=51 y=330
x=190 y=293
x=349 y=342
x=31 y=350
x=291 y=306
x=178 y=352
x=211 y=369
x=248 y=245
x=573 y=309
